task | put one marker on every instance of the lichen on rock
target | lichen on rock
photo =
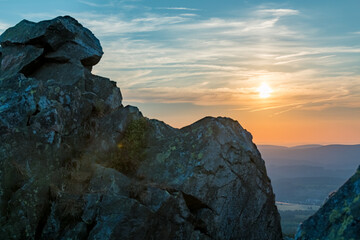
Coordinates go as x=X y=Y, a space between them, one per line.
x=338 y=218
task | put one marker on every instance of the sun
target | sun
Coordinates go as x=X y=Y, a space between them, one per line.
x=264 y=90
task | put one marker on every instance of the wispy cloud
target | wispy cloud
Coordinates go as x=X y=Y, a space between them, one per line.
x=179 y=8
x=4 y=26
x=112 y=25
x=176 y=56
x=278 y=12
x=92 y=4
x=188 y=15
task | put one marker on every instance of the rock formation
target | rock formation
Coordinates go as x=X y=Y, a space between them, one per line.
x=338 y=218
x=76 y=164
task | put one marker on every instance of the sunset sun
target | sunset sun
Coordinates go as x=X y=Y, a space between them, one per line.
x=264 y=90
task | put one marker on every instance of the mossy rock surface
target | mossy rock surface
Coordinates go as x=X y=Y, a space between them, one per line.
x=131 y=149
x=339 y=217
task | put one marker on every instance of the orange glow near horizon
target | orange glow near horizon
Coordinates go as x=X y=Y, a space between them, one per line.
x=301 y=133
x=297 y=127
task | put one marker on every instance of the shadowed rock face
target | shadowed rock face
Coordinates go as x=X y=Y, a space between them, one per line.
x=338 y=218
x=75 y=163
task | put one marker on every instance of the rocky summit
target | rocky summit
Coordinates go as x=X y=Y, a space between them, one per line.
x=338 y=218
x=76 y=164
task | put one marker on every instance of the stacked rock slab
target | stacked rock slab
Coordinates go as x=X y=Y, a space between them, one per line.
x=338 y=218
x=60 y=126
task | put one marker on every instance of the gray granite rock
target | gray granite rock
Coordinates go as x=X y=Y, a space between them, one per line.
x=63 y=39
x=75 y=163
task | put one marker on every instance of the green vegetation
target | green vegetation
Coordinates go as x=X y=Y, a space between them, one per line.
x=346 y=222
x=131 y=149
x=334 y=215
x=356 y=199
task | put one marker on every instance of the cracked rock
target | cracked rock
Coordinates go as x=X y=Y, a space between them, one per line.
x=75 y=163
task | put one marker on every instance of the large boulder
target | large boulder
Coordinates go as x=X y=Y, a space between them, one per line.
x=62 y=38
x=220 y=174
x=76 y=164
x=338 y=218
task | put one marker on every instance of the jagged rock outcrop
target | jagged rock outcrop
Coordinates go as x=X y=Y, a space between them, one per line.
x=338 y=218
x=76 y=164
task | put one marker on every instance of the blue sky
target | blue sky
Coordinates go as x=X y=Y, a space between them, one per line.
x=183 y=60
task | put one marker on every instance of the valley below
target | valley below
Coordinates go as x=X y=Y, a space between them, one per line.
x=303 y=177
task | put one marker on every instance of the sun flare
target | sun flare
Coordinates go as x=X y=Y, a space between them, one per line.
x=264 y=90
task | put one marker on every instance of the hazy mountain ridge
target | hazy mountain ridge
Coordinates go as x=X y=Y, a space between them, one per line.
x=331 y=156
x=292 y=168
x=301 y=174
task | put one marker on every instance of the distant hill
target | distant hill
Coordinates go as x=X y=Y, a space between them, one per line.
x=308 y=173
x=330 y=156
x=306 y=146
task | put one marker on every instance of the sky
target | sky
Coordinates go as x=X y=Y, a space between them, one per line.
x=179 y=61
